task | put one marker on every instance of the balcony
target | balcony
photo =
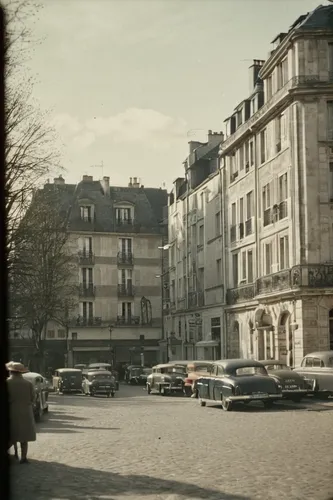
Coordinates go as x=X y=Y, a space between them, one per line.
x=248 y=227
x=126 y=290
x=274 y=282
x=241 y=230
x=87 y=290
x=240 y=294
x=86 y=258
x=283 y=209
x=125 y=258
x=312 y=276
x=85 y=321
x=267 y=216
x=233 y=235
x=127 y=320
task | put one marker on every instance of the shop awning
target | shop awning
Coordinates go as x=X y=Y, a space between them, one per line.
x=207 y=343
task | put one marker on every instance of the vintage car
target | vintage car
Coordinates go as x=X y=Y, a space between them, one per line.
x=128 y=371
x=67 y=380
x=41 y=394
x=107 y=367
x=195 y=370
x=167 y=379
x=294 y=386
x=233 y=381
x=144 y=376
x=80 y=366
x=318 y=366
x=97 y=382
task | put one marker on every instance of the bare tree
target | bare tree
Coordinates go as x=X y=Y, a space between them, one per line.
x=46 y=290
x=30 y=152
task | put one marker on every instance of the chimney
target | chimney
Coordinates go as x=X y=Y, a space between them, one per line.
x=136 y=184
x=59 y=180
x=254 y=72
x=130 y=182
x=105 y=183
x=194 y=145
x=87 y=178
x=215 y=138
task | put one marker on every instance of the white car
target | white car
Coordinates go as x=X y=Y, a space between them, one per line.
x=41 y=389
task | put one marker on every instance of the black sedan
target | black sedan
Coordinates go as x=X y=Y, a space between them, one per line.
x=231 y=381
x=293 y=385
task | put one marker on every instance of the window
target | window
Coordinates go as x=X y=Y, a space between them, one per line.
x=243 y=266
x=330 y=319
x=126 y=310
x=125 y=277
x=269 y=88
x=249 y=205
x=266 y=204
x=251 y=153
x=330 y=182
x=215 y=328
x=61 y=334
x=86 y=245
x=241 y=218
x=239 y=117
x=268 y=258
x=219 y=270
x=284 y=252
x=87 y=310
x=278 y=132
x=74 y=335
x=86 y=213
x=233 y=214
x=263 y=154
x=247 y=155
x=250 y=266
x=87 y=276
x=123 y=215
x=218 y=223
x=330 y=120
x=241 y=158
x=179 y=328
x=201 y=235
x=282 y=74
x=283 y=195
x=235 y=269
x=125 y=246
x=50 y=334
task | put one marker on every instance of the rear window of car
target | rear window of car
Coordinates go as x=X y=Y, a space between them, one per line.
x=277 y=366
x=201 y=368
x=251 y=370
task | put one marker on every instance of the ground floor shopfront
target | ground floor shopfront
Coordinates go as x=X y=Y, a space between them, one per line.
x=284 y=328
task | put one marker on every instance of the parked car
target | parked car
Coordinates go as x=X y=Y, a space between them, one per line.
x=166 y=379
x=294 y=386
x=233 y=381
x=41 y=405
x=195 y=370
x=144 y=376
x=67 y=380
x=128 y=371
x=319 y=366
x=99 y=382
x=80 y=366
x=133 y=375
x=107 y=367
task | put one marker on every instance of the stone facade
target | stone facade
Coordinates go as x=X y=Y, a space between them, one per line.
x=277 y=164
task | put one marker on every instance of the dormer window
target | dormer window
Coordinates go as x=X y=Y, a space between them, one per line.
x=124 y=215
x=86 y=213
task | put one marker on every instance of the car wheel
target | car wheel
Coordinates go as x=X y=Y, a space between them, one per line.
x=188 y=391
x=202 y=402
x=321 y=395
x=268 y=404
x=297 y=399
x=148 y=389
x=226 y=405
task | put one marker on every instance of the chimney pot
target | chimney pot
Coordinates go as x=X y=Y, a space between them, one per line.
x=59 y=180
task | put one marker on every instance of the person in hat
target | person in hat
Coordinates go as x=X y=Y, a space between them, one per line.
x=21 y=396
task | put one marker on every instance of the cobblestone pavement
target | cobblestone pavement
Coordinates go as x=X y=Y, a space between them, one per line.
x=137 y=446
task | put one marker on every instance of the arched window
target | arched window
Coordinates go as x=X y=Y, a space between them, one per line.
x=330 y=321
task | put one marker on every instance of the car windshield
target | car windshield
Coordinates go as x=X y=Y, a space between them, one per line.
x=201 y=368
x=147 y=371
x=175 y=369
x=277 y=366
x=251 y=370
x=100 y=376
x=136 y=371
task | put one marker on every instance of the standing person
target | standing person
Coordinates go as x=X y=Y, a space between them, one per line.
x=21 y=396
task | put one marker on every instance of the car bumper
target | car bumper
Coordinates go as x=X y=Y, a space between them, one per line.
x=171 y=387
x=286 y=393
x=261 y=397
x=104 y=390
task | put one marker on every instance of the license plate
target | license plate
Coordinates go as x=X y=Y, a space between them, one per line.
x=291 y=387
x=258 y=395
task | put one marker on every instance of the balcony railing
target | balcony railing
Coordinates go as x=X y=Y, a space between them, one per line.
x=86 y=258
x=87 y=290
x=267 y=216
x=283 y=209
x=273 y=282
x=240 y=294
x=125 y=258
x=312 y=275
x=233 y=235
x=248 y=227
x=126 y=290
x=124 y=222
x=128 y=320
x=85 y=321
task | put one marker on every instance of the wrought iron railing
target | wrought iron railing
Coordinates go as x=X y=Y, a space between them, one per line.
x=241 y=230
x=240 y=294
x=125 y=258
x=88 y=321
x=312 y=275
x=248 y=227
x=86 y=258
x=273 y=282
x=87 y=290
x=126 y=290
x=128 y=320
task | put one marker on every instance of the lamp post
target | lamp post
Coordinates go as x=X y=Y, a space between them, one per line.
x=161 y=276
x=111 y=350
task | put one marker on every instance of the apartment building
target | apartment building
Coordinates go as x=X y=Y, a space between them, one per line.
x=115 y=235
x=277 y=169
x=193 y=325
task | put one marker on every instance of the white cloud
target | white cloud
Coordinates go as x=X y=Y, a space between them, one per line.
x=84 y=140
x=66 y=124
x=139 y=125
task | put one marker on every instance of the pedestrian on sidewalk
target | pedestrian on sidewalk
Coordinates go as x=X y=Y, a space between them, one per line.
x=21 y=396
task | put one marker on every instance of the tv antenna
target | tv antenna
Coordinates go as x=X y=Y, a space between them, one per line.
x=101 y=165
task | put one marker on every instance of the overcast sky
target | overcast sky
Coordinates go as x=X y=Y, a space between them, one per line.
x=128 y=81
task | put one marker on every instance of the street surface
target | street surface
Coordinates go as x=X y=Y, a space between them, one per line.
x=137 y=446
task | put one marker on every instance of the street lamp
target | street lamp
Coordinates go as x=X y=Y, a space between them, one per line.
x=163 y=248
x=111 y=350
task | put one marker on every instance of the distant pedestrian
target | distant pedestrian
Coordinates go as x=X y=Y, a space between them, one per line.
x=21 y=396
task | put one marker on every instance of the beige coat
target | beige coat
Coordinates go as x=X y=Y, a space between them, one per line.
x=21 y=395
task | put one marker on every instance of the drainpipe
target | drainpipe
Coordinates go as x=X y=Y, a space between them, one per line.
x=224 y=257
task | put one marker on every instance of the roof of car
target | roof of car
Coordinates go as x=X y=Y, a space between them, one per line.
x=271 y=362
x=74 y=370
x=166 y=365
x=99 y=372
x=32 y=374
x=95 y=365
x=232 y=364
x=319 y=354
